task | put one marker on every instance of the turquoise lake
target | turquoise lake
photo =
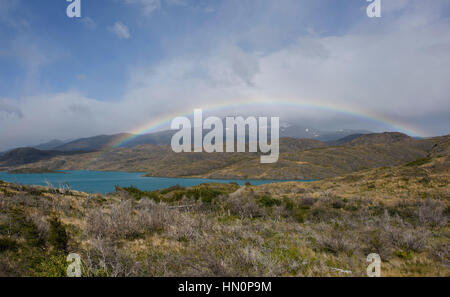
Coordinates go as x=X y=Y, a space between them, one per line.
x=105 y=182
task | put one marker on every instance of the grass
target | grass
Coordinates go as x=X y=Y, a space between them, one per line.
x=289 y=229
x=419 y=162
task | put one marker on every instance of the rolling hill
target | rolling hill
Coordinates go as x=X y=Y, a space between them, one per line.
x=94 y=143
x=299 y=159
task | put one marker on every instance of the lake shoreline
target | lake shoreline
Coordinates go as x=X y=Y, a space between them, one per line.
x=106 y=181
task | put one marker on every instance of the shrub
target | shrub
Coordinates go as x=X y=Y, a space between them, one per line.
x=336 y=241
x=27 y=228
x=58 y=236
x=338 y=204
x=243 y=206
x=138 y=194
x=376 y=242
x=103 y=258
x=52 y=266
x=268 y=201
x=207 y=195
x=441 y=252
x=171 y=189
x=431 y=213
x=419 y=162
x=154 y=216
x=7 y=244
x=414 y=240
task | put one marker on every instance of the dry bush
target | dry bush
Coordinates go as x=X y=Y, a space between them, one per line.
x=335 y=240
x=414 y=240
x=184 y=227
x=154 y=216
x=64 y=205
x=97 y=223
x=403 y=236
x=375 y=241
x=307 y=201
x=103 y=258
x=125 y=220
x=441 y=252
x=431 y=213
x=243 y=206
x=120 y=222
x=40 y=222
x=229 y=257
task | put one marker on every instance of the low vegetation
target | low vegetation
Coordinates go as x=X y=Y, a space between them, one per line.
x=324 y=228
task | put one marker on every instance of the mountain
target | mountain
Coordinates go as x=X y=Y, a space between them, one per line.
x=299 y=159
x=385 y=138
x=372 y=138
x=344 y=140
x=94 y=143
x=49 y=145
x=298 y=131
x=163 y=137
x=101 y=142
x=326 y=162
x=335 y=135
x=27 y=155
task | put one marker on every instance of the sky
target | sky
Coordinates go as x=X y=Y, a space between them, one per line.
x=125 y=63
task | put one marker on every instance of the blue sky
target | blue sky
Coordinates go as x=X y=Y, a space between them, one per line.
x=86 y=55
x=126 y=61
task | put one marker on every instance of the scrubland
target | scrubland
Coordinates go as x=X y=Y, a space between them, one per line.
x=323 y=228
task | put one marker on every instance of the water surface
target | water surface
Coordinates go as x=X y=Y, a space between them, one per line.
x=104 y=182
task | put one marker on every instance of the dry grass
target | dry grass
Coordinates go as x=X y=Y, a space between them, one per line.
x=323 y=228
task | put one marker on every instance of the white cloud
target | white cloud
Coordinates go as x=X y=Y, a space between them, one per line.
x=148 y=6
x=121 y=30
x=398 y=67
x=89 y=23
x=9 y=108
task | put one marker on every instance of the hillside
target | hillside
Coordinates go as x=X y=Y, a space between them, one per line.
x=95 y=143
x=322 y=228
x=50 y=145
x=27 y=155
x=299 y=159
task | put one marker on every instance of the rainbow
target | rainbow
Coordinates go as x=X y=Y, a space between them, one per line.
x=164 y=120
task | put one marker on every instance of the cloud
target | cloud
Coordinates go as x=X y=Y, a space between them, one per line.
x=8 y=107
x=89 y=23
x=396 y=68
x=10 y=15
x=32 y=59
x=121 y=30
x=148 y=6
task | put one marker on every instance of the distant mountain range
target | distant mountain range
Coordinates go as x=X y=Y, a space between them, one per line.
x=299 y=158
x=102 y=142
x=297 y=131
x=50 y=144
